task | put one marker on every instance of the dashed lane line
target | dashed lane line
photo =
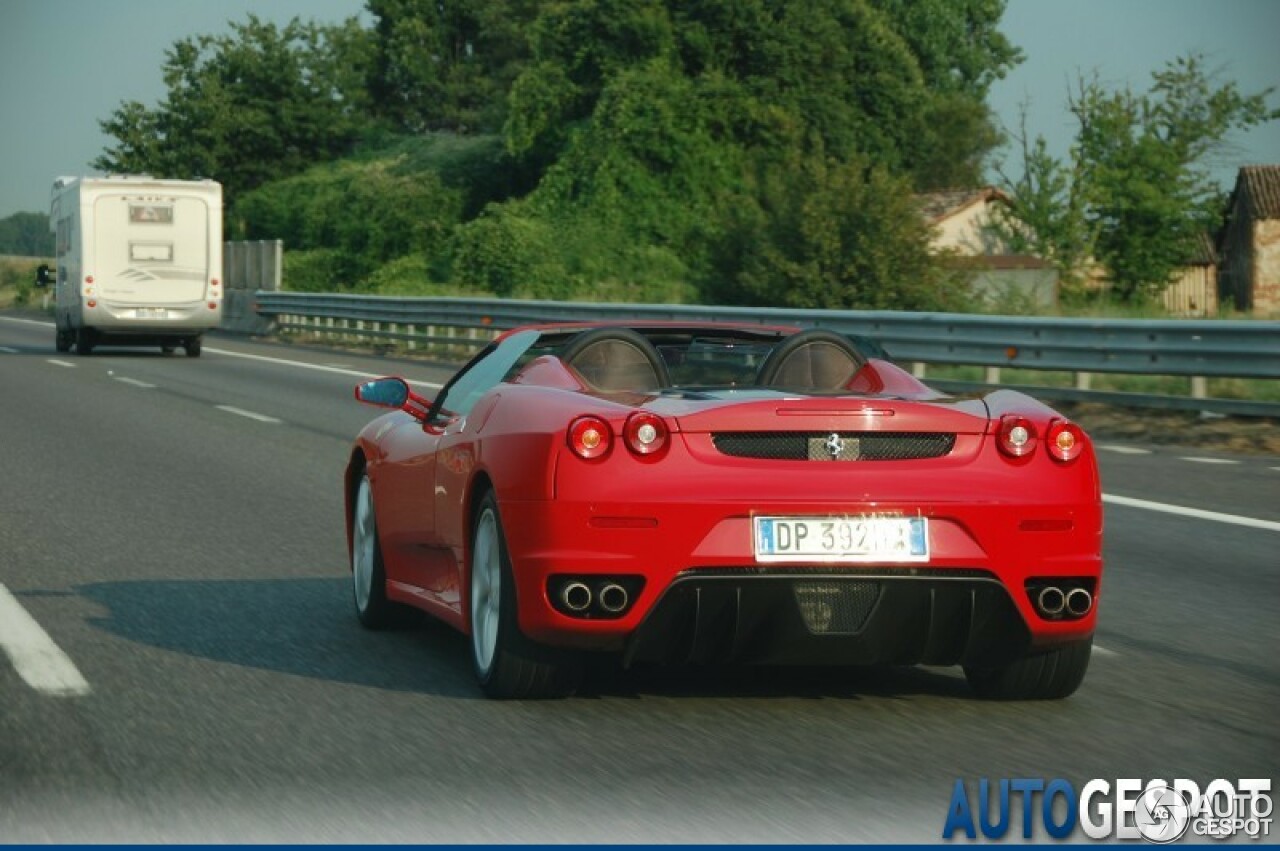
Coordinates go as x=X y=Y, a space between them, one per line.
x=318 y=367
x=1197 y=460
x=133 y=382
x=34 y=655
x=1123 y=450
x=68 y=364
x=241 y=412
x=1198 y=513
x=431 y=385
x=1103 y=651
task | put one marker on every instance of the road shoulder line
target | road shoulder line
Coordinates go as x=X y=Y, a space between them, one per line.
x=38 y=660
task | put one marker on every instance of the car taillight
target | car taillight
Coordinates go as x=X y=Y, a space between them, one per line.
x=1017 y=436
x=645 y=434
x=1065 y=440
x=590 y=437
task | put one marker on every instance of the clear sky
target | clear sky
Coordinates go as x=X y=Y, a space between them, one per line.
x=66 y=64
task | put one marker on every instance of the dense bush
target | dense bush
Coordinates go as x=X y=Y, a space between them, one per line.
x=358 y=214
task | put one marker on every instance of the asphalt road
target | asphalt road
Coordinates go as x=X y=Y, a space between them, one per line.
x=175 y=526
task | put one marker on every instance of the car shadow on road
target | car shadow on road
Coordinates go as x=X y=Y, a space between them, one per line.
x=812 y=682
x=305 y=627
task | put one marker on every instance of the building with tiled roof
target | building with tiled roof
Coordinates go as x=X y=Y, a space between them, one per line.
x=1250 y=246
x=962 y=222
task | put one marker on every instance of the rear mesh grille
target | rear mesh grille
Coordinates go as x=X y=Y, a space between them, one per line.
x=836 y=607
x=829 y=446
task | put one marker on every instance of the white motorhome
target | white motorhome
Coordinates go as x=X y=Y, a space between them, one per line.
x=139 y=261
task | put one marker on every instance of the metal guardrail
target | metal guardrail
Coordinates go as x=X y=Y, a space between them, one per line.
x=1194 y=348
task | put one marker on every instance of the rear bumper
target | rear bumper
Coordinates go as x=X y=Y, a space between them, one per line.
x=830 y=618
x=705 y=598
x=115 y=320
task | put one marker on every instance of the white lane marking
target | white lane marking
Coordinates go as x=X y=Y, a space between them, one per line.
x=299 y=364
x=315 y=366
x=56 y=362
x=1123 y=450
x=1197 y=460
x=8 y=351
x=134 y=382
x=1277 y=469
x=241 y=412
x=1199 y=514
x=1098 y=648
x=37 y=659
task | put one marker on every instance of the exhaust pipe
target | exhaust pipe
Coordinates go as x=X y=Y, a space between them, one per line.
x=1079 y=602
x=613 y=598
x=575 y=596
x=1052 y=601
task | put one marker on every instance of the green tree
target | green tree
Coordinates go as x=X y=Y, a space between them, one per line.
x=1047 y=215
x=247 y=107
x=1136 y=189
x=447 y=64
x=26 y=235
x=822 y=233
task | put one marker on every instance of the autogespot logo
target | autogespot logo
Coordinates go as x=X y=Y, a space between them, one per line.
x=1156 y=811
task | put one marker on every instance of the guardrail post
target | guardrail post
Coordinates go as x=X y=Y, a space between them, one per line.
x=413 y=332
x=992 y=375
x=1084 y=380
x=919 y=369
x=1199 y=387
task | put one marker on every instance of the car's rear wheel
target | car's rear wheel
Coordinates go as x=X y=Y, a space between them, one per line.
x=507 y=664
x=1050 y=675
x=368 y=577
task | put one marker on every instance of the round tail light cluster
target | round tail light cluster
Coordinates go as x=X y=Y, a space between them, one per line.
x=1065 y=440
x=644 y=434
x=1017 y=436
x=590 y=437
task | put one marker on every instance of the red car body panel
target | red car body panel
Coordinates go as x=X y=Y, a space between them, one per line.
x=687 y=509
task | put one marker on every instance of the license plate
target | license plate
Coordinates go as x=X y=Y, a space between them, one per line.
x=150 y=313
x=841 y=539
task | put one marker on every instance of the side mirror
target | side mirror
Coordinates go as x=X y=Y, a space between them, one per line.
x=384 y=392
x=43 y=276
x=393 y=392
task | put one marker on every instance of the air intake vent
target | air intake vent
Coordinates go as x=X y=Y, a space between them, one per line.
x=833 y=446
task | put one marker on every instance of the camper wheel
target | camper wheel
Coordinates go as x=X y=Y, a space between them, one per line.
x=192 y=345
x=86 y=339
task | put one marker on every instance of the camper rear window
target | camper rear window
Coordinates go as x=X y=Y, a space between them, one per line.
x=151 y=214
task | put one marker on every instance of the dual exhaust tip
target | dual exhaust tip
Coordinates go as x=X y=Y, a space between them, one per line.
x=1055 y=602
x=586 y=597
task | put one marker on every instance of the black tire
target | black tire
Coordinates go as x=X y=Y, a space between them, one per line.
x=86 y=339
x=62 y=340
x=1051 y=675
x=368 y=575
x=192 y=347
x=517 y=667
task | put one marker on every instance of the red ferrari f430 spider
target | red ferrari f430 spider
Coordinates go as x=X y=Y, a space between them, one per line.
x=726 y=494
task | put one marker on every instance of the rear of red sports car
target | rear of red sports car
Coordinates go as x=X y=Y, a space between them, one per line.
x=789 y=522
